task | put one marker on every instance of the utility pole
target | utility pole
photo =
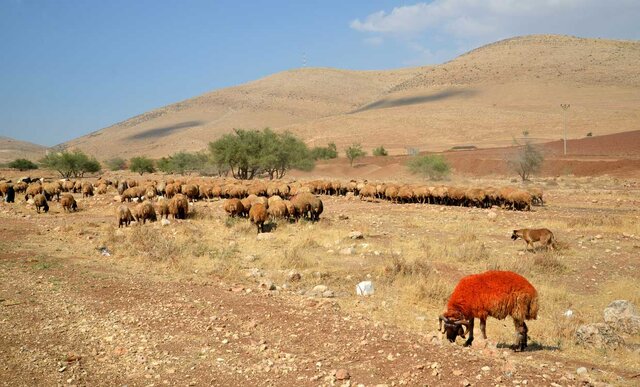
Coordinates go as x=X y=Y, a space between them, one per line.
x=565 y=107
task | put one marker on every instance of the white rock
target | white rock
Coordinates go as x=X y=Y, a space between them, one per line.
x=582 y=371
x=356 y=235
x=365 y=288
x=165 y=222
x=348 y=251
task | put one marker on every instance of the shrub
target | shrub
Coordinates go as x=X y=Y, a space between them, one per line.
x=380 y=151
x=354 y=152
x=116 y=164
x=141 y=165
x=325 y=153
x=433 y=166
x=22 y=164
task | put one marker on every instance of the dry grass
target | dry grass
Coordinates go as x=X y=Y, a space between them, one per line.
x=415 y=255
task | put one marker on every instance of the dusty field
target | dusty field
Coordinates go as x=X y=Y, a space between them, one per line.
x=187 y=303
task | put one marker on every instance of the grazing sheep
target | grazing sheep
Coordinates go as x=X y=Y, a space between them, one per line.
x=51 y=190
x=150 y=192
x=68 y=202
x=367 y=191
x=40 y=202
x=179 y=206
x=102 y=189
x=291 y=210
x=307 y=205
x=278 y=209
x=519 y=200
x=258 y=215
x=145 y=211
x=122 y=186
x=87 y=189
x=67 y=185
x=9 y=194
x=32 y=190
x=233 y=207
x=170 y=190
x=494 y=293
x=541 y=235
x=77 y=187
x=191 y=191
x=124 y=216
x=536 y=196
x=163 y=209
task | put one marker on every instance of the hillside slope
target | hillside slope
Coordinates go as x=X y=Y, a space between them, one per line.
x=11 y=149
x=486 y=97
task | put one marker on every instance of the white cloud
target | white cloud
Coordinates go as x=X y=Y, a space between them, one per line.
x=469 y=23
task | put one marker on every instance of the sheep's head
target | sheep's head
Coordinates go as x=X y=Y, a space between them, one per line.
x=452 y=328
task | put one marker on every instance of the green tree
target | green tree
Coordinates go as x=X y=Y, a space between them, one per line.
x=355 y=152
x=116 y=164
x=434 y=167
x=325 y=153
x=527 y=161
x=248 y=153
x=141 y=165
x=68 y=164
x=23 y=164
x=380 y=151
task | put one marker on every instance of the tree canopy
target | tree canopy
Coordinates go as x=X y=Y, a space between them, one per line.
x=325 y=153
x=354 y=152
x=183 y=162
x=141 y=165
x=249 y=153
x=75 y=163
x=527 y=161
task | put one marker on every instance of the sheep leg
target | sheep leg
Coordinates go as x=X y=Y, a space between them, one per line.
x=521 y=335
x=483 y=327
x=470 y=331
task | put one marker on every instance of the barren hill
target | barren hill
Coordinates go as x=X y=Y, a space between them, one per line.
x=11 y=149
x=486 y=97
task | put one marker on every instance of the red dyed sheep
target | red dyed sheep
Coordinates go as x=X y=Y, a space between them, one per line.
x=494 y=293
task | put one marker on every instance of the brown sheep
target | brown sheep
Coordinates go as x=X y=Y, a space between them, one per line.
x=87 y=189
x=179 y=206
x=536 y=196
x=233 y=207
x=32 y=190
x=40 y=202
x=258 y=215
x=278 y=209
x=368 y=191
x=20 y=186
x=170 y=190
x=51 y=190
x=68 y=202
x=163 y=209
x=191 y=191
x=102 y=189
x=145 y=211
x=519 y=200
x=124 y=216
x=391 y=193
x=291 y=210
x=67 y=185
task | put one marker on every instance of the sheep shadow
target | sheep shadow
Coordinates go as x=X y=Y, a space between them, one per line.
x=269 y=227
x=532 y=347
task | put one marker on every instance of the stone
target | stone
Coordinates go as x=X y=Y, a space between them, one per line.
x=356 y=235
x=492 y=215
x=294 y=276
x=348 y=251
x=597 y=335
x=342 y=374
x=328 y=294
x=582 y=371
x=267 y=285
x=623 y=316
x=165 y=222
x=364 y=288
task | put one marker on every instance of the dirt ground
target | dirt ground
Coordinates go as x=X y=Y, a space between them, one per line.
x=188 y=303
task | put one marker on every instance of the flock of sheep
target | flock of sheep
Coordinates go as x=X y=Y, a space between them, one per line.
x=495 y=293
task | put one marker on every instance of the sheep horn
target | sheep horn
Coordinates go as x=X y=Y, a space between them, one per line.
x=465 y=324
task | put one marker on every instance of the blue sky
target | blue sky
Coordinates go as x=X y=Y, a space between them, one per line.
x=71 y=67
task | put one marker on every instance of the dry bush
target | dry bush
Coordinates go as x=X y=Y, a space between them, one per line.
x=153 y=244
x=599 y=220
x=416 y=280
x=548 y=263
